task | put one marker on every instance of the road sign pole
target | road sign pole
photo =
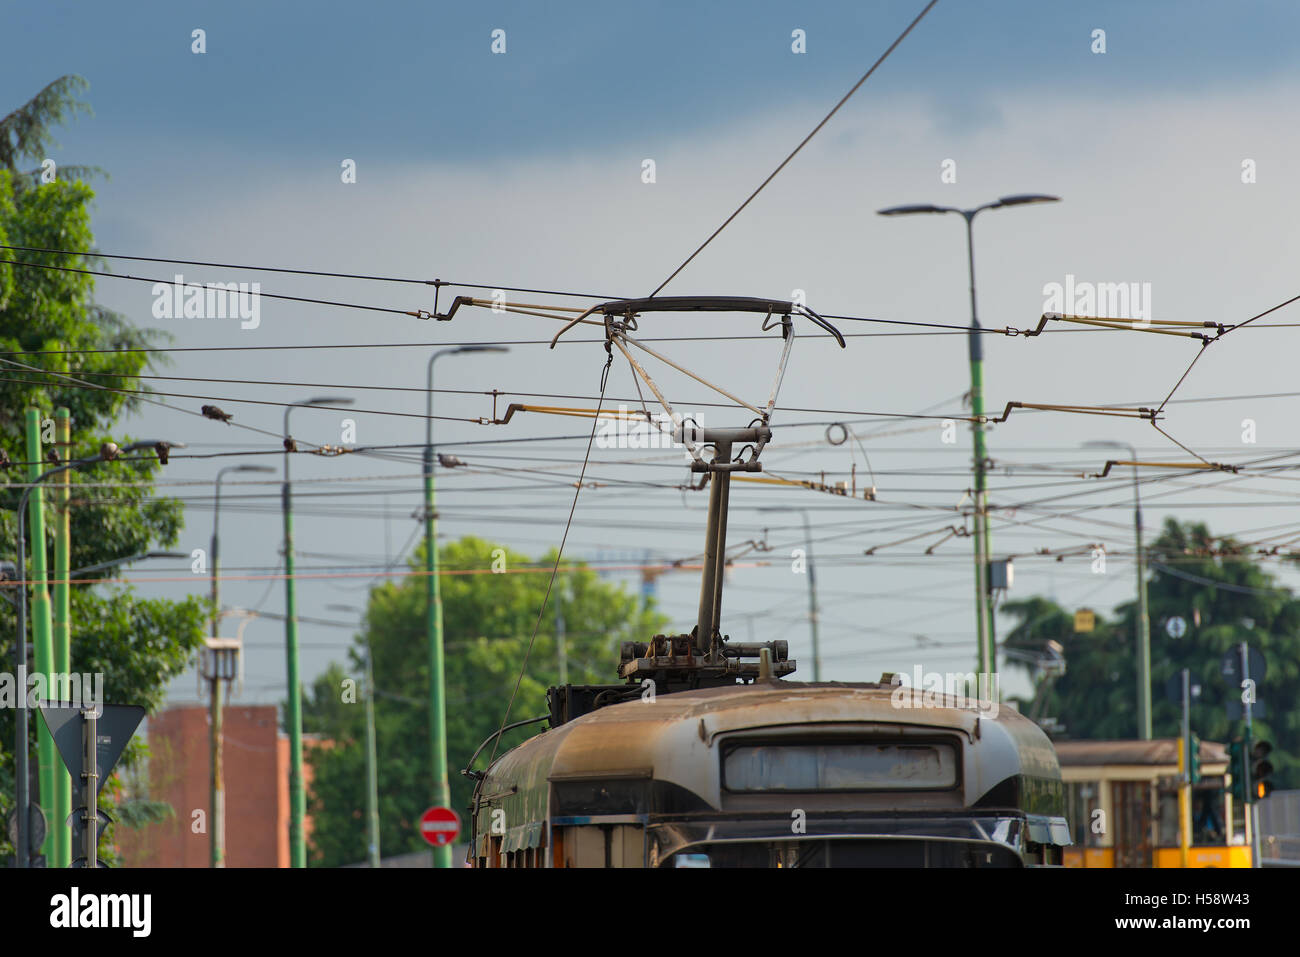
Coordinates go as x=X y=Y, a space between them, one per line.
x=90 y=740
x=91 y=824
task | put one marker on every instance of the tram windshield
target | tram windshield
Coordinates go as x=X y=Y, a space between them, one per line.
x=840 y=767
x=1209 y=828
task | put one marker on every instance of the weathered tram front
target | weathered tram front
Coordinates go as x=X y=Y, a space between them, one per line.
x=777 y=774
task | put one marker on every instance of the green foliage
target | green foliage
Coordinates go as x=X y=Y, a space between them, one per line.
x=140 y=812
x=25 y=133
x=1225 y=597
x=487 y=621
x=138 y=644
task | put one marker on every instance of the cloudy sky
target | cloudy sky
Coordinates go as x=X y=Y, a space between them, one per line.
x=525 y=168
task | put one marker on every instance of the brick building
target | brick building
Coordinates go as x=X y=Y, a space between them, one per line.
x=256 y=766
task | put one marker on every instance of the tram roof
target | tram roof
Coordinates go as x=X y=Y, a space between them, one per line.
x=824 y=700
x=636 y=734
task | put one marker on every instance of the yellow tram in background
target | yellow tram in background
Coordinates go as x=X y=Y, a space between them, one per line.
x=1122 y=802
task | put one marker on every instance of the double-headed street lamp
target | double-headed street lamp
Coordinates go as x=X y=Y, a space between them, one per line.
x=433 y=614
x=1143 y=621
x=107 y=452
x=297 y=798
x=984 y=617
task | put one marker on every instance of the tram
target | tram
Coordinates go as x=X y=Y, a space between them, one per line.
x=707 y=755
x=1122 y=804
x=773 y=773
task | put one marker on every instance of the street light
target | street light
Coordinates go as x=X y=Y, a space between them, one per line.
x=107 y=452
x=1143 y=620
x=115 y=562
x=297 y=799
x=433 y=614
x=812 y=583
x=372 y=775
x=983 y=607
x=214 y=552
x=221 y=661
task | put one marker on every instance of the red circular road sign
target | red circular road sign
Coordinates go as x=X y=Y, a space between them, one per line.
x=439 y=826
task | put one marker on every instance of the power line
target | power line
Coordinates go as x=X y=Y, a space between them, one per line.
x=218 y=398
x=484 y=392
x=826 y=119
x=140 y=396
x=604 y=380
x=418 y=314
x=436 y=283
x=941 y=329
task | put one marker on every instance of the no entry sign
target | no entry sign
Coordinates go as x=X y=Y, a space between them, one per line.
x=439 y=826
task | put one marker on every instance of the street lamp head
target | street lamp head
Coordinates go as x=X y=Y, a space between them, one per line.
x=481 y=349
x=161 y=446
x=252 y=468
x=327 y=400
x=151 y=443
x=1024 y=199
x=908 y=210
x=1110 y=444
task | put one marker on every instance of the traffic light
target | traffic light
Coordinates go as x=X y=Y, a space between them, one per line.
x=1260 y=769
x=1238 y=768
x=1194 y=759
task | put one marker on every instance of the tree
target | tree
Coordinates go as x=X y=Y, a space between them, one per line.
x=487 y=622
x=1217 y=586
x=138 y=644
x=25 y=133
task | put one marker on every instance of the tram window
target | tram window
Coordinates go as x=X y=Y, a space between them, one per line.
x=840 y=767
x=1081 y=805
x=876 y=853
x=1207 y=817
x=1208 y=826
